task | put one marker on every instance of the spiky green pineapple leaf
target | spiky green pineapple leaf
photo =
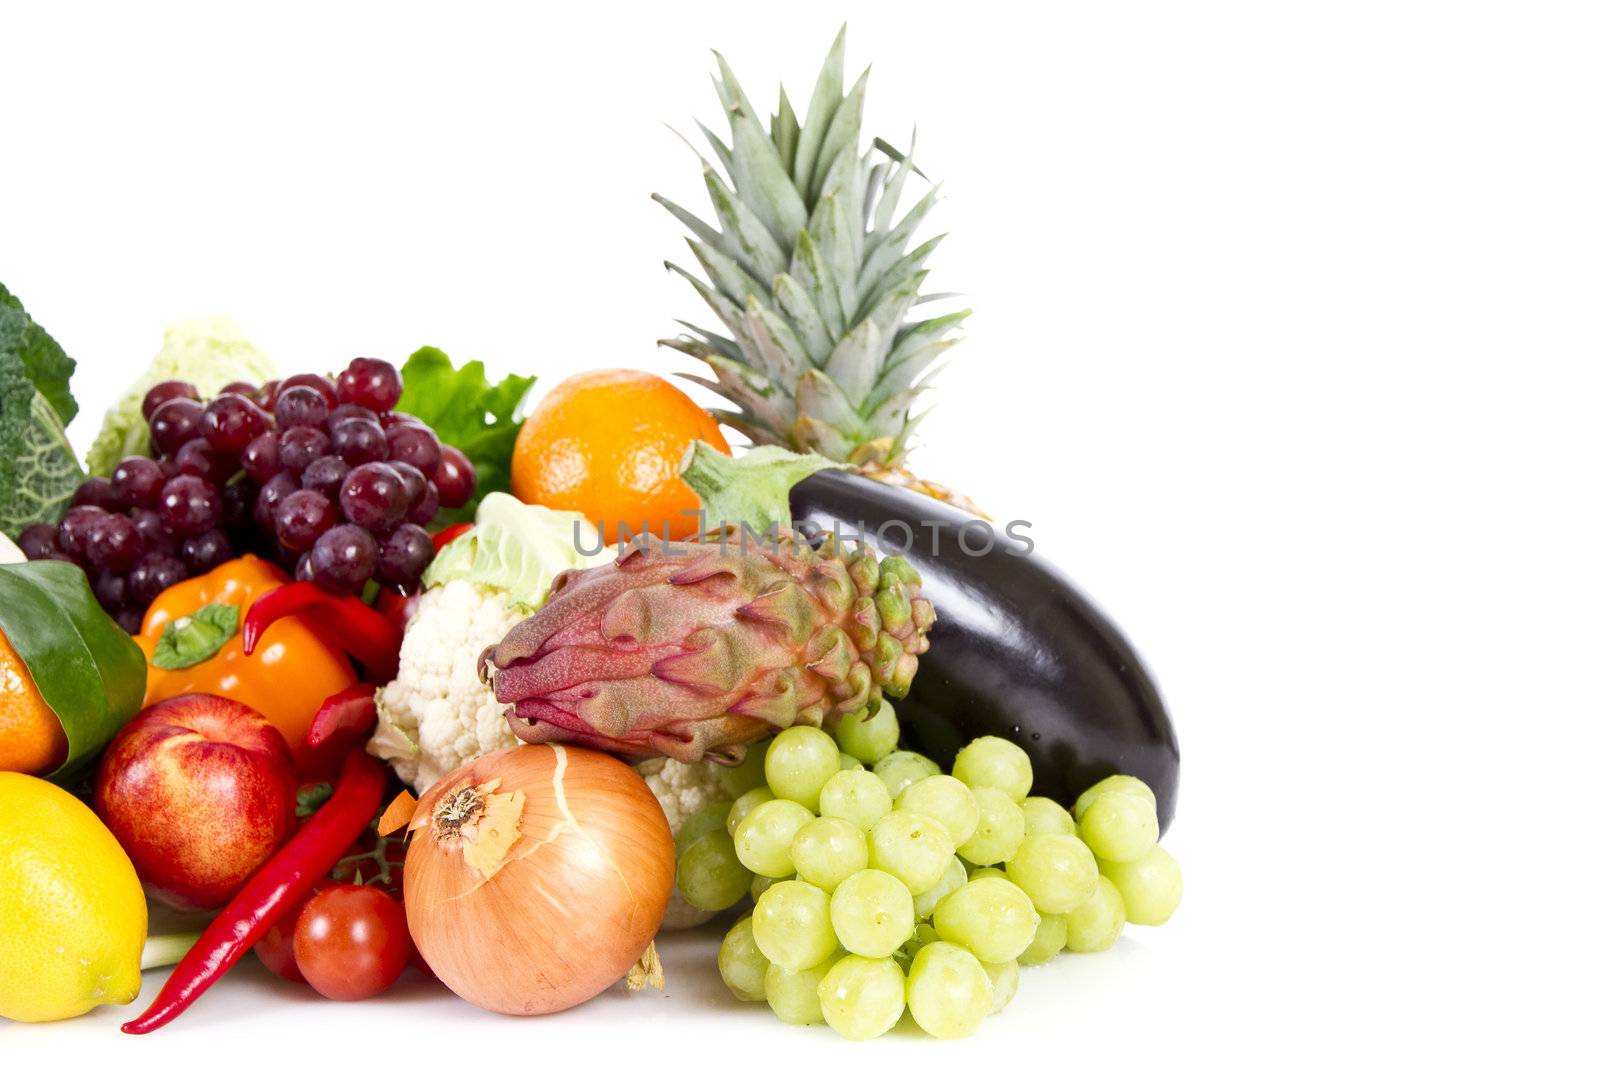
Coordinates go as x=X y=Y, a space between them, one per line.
x=908 y=267
x=730 y=314
x=755 y=165
x=850 y=367
x=888 y=419
x=913 y=353
x=819 y=397
x=913 y=364
x=816 y=277
x=873 y=193
x=883 y=251
x=796 y=305
x=832 y=231
x=765 y=402
x=725 y=345
x=780 y=351
x=889 y=203
x=694 y=224
x=806 y=266
x=731 y=280
x=754 y=245
x=723 y=152
x=785 y=131
x=844 y=133
x=825 y=100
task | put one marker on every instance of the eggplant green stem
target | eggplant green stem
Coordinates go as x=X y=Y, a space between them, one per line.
x=164 y=950
x=752 y=489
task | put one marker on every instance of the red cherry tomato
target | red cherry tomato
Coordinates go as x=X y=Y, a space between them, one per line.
x=276 y=949
x=351 y=942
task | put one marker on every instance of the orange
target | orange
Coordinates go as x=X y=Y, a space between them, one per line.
x=608 y=443
x=31 y=739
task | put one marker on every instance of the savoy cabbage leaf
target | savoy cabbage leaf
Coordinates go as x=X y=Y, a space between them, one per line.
x=38 y=471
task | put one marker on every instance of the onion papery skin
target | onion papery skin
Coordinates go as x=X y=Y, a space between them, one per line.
x=577 y=900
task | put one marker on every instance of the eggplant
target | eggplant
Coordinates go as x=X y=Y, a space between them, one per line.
x=1016 y=651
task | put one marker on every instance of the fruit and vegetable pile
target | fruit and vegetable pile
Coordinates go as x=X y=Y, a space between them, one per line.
x=376 y=668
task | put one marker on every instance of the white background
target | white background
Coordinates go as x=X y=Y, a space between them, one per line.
x=1285 y=342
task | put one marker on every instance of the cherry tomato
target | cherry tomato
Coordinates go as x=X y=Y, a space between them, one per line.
x=351 y=942
x=276 y=949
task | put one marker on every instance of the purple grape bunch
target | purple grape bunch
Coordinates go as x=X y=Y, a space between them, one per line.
x=320 y=475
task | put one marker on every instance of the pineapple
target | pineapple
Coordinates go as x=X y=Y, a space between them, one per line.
x=809 y=273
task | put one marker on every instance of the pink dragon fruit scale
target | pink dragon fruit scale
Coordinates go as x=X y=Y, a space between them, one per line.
x=693 y=650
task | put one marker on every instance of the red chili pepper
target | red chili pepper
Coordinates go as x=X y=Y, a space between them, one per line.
x=396 y=607
x=362 y=632
x=348 y=715
x=286 y=880
x=449 y=533
x=399 y=607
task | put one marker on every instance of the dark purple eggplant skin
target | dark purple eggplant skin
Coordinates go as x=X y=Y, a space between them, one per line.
x=1016 y=651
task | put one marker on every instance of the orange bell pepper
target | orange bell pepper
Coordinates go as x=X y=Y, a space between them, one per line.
x=293 y=669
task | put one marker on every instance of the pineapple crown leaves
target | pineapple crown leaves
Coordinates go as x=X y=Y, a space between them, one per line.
x=812 y=275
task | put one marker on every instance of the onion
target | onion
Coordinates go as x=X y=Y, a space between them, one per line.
x=537 y=877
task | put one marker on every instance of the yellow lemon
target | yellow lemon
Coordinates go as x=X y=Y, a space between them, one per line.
x=72 y=915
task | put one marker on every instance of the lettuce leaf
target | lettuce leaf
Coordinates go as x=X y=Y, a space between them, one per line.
x=38 y=470
x=518 y=549
x=466 y=411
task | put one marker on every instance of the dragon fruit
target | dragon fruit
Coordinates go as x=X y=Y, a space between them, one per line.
x=693 y=650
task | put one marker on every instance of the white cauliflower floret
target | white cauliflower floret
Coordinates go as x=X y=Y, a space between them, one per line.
x=684 y=790
x=437 y=715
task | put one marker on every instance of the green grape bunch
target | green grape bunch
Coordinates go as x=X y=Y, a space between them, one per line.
x=881 y=885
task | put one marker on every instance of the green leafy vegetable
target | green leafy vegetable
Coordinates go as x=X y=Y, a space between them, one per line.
x=207 y=353
x=466 y=411
x=89 y=672
x=195 y=638
x=38 y=471
x=753 y=489
x=517 y=549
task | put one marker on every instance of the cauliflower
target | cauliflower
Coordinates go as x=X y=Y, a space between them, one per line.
x=684 y=790
x=436 y=715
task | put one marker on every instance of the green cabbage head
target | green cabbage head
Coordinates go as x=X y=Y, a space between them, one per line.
x=208 y=353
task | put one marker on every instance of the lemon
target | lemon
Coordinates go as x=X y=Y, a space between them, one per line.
x=72 y=915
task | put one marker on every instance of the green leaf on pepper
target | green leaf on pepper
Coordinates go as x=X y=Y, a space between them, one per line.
x=195 y=638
